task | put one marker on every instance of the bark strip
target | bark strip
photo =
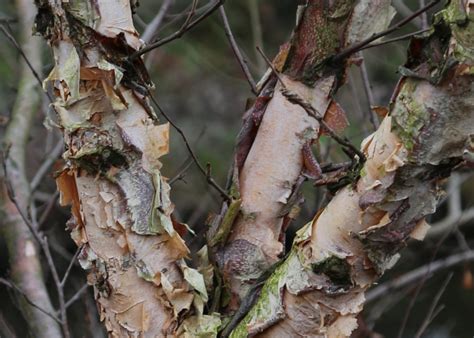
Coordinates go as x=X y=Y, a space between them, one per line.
x=319 y=289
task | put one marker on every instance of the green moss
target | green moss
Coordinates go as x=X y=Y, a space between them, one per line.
x=462 y=29
x=409 y=116
x=100 y=159
x=265 y=307
x=226 y=224
x=337 y=269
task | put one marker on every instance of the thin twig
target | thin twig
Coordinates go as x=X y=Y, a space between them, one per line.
x=153 y=26
x=59 y=287
x=242 y=61
x=368 y=92
x=179 y=16
x=414 y=275
x=396 y=39
x=49 y=207
x=13 y=286
x=180 y=175
x=187 y=163
x=47 y=163
x=404 y=10
x=76 y=295
x=419 y=287
x=176 y=35
x=432 y=312
x=311 y=111
x=7 y=20
x=424 y=16
x=22 y=53
x=209 y=178
x=256 y=30
x=71 y=264
x=11 y=196
x=359 y=45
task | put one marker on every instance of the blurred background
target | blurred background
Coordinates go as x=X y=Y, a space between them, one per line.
x=201 y=86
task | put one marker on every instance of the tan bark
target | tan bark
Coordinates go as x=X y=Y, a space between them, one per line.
x=274 y=163
x=319 y=290
x=120 y=201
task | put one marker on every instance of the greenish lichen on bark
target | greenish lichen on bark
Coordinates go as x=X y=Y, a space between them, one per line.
x=320 y=34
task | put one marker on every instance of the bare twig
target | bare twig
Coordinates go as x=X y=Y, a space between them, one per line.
x=256 y=30
x=419 y=287
x=5 y=19
x=153 y=26
x=71 y=264
x=311 y=111
x=404 y=10
x=433 y=312
x=396 y=39
x=76 y=295
x=456 y=217
x=47 y=163
x=418 y=273
x=203 y=170
x=188 y=25
x=424 y=16
x=180 y=175
x=359 y=46
x=49 y=206
x=242 y=61
x=22 y=53
x=15 y=287
x=187 y=163
x=368 y=92
x=179 y=16
x=59 y=287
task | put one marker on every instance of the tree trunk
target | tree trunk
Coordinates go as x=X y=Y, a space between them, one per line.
x=26 y=271
x=111 y=176
x=121 y=205
x=274 y=146
x=319 y=289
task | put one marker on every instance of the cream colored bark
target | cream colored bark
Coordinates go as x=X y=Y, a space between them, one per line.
x=319 y=290
x=275 y=160
x=111 y=177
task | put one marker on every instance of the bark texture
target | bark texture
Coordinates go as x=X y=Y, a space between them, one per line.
x=319 y=289
x=23 y=250
x=111 y=178
x=269 y=161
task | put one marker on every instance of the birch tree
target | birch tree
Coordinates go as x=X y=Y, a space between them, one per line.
x=244 y=283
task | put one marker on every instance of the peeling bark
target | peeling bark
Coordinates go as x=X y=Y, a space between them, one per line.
x=319 y=289
x=25 y=265
x=111 y=177
x=266 y=173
